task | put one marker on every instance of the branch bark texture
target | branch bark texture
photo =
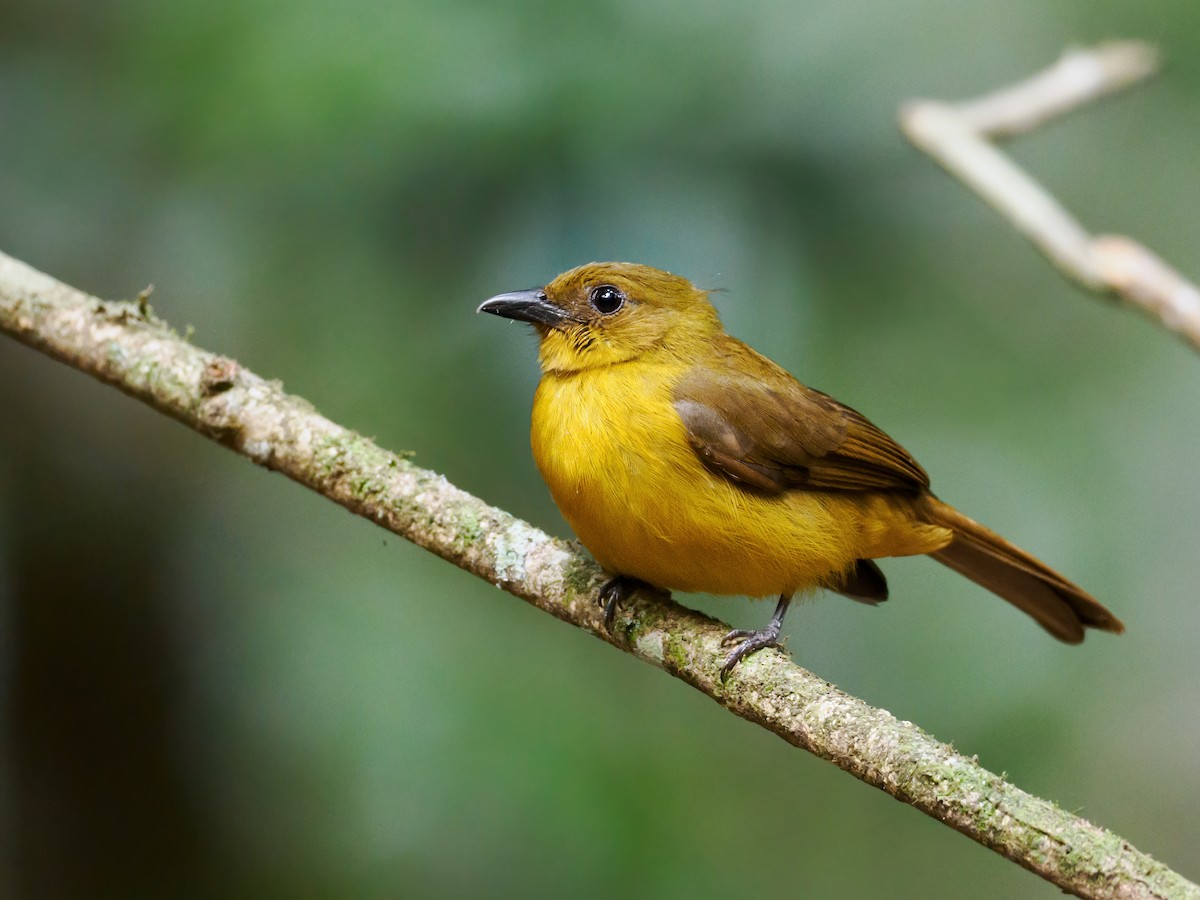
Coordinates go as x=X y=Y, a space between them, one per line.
x=958 y=136
x=123 y=345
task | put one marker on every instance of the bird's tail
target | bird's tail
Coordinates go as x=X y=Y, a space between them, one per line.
x=1062 y=608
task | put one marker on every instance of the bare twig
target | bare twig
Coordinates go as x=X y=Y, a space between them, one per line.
x=122 y=345
x=956 y=135
x=1079 y=76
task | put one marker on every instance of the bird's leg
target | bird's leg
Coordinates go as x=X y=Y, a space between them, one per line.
x=617 y=590
x=749 y=641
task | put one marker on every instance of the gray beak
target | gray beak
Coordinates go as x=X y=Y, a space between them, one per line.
x=525 y=306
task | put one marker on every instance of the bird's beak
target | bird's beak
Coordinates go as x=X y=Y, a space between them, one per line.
x=525 y=306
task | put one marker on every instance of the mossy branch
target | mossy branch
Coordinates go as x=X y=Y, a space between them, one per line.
x=123 y=345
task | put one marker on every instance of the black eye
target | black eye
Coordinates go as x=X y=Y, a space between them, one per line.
x=607 y=299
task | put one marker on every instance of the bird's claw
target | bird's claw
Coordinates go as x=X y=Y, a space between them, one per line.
x=747 y=642
x=611 y=597
x=617 y=590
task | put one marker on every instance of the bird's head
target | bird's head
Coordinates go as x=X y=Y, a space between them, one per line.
x=604 y=313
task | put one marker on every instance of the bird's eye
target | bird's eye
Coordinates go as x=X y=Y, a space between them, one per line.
x=607 y=299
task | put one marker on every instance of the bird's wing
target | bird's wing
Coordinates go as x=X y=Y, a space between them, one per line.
x=752 y=422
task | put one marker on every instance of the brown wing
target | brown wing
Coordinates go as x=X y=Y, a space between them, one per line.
x=752 y=422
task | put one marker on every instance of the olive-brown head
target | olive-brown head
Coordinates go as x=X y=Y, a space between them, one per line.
x=604 y=313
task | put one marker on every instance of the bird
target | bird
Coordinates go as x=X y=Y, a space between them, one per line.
x=684 y=460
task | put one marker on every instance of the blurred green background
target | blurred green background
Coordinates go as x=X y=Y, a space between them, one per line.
x=217 y=683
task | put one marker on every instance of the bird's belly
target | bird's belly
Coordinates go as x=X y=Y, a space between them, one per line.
x=638 y=497
x=682 y=543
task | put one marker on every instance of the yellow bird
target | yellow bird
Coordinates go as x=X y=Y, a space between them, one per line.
x=686 y=461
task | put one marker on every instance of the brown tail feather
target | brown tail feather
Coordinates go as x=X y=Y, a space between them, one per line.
x=1062 y=608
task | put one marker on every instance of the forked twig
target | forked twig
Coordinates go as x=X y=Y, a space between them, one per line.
x=959 y=135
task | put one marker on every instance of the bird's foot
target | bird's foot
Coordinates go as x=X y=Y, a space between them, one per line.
x=617 y=590
x=747 y=642
x=750 y=641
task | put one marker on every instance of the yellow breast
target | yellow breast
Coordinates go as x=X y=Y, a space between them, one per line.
x=616 y=458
